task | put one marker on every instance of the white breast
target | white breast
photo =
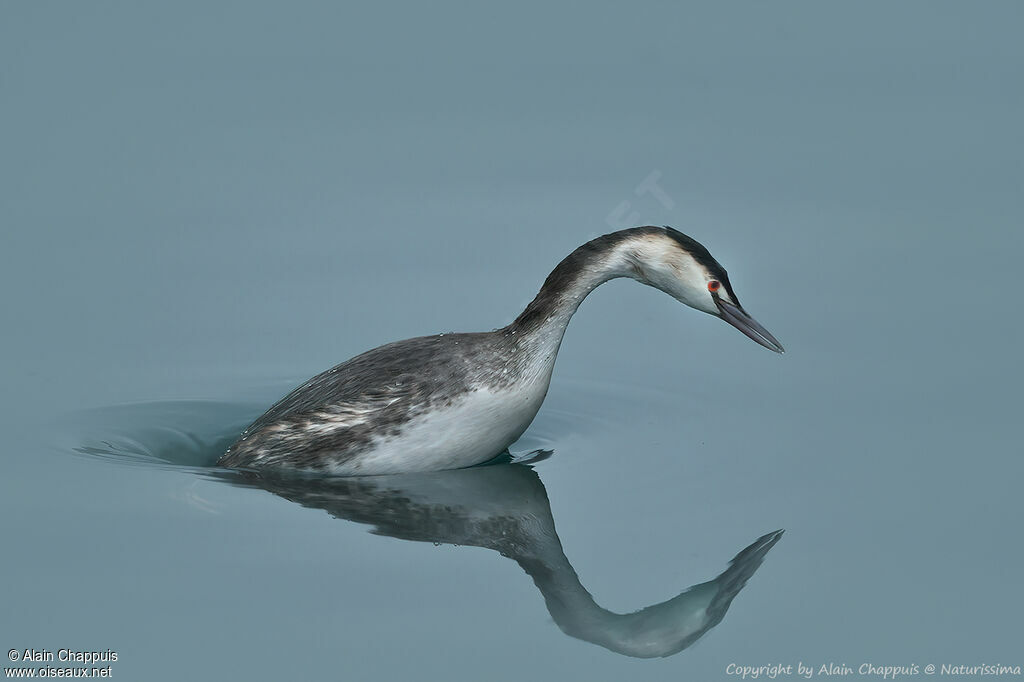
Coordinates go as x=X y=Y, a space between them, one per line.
x=477 y=426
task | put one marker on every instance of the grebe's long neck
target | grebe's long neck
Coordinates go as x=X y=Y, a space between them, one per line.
x=582 y=271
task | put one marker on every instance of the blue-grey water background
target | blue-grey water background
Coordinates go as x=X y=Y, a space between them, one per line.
x=214 y=201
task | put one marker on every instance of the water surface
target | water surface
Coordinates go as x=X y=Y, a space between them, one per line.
x=205 y=205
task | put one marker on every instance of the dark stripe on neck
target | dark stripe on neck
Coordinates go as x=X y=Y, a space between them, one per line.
x=566 y=273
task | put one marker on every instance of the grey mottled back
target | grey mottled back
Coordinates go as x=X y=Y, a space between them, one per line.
x=395 y=382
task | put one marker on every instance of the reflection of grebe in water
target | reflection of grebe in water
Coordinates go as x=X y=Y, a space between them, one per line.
x=454 y=400
x=505 y=508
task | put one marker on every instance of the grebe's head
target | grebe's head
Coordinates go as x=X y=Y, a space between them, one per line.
x=681 y=267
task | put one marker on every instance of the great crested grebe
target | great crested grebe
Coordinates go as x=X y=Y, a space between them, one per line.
x=454 y=400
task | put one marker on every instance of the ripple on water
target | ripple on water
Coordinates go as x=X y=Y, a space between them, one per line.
x=176 y=434
x=587 y=409
x=193 y=434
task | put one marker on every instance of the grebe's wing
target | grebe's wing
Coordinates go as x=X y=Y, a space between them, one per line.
x=340 y=410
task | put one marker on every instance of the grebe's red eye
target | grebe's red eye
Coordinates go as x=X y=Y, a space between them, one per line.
x=714 y=285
